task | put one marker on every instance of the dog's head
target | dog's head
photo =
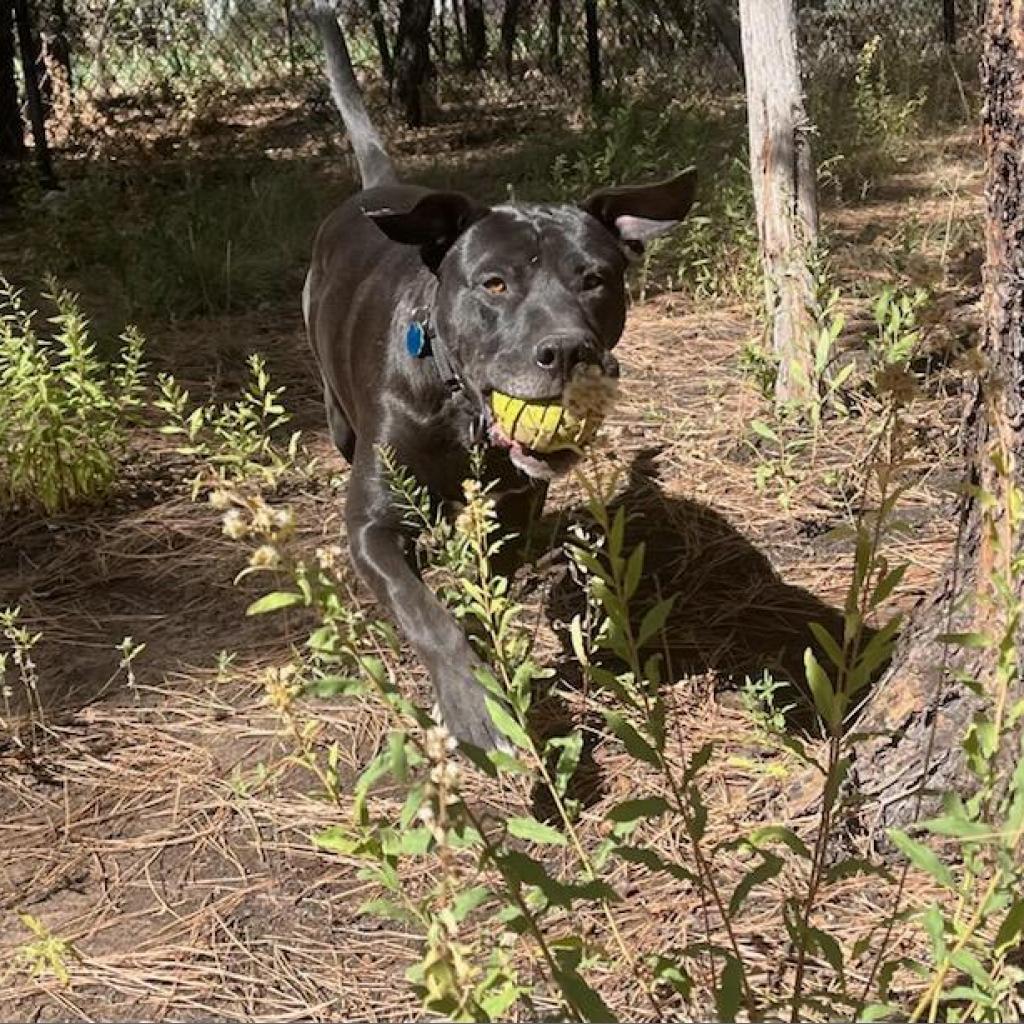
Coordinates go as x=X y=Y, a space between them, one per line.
x=528 y=293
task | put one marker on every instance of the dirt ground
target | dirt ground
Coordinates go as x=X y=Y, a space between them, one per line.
x=145 y=833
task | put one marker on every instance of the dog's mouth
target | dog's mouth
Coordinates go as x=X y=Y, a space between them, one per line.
x=540 y=465
x=547 y=437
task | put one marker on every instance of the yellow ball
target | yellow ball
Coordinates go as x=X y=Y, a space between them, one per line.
x=543 y=426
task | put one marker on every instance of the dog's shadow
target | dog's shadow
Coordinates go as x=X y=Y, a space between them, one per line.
x=732 y=616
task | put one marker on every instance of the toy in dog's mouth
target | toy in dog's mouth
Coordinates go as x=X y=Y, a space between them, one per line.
x=545 y=438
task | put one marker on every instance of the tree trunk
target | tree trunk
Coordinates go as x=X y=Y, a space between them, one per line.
x=412 y=59
x=914 y=699
x=476 y=33
x=30 y=71
x=460 y=37
x=380 y=35
x=729 y=33
x=593 y=49
x=509 y=25
x=682 y=13
x=12 y=137
x=785 y=199
x=949 y=22
x=61 y=45
x=442 y=36
x=555 y=35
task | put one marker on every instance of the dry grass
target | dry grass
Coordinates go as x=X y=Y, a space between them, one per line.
x=146 y=833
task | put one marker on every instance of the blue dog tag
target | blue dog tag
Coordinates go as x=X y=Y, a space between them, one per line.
x=416 y=340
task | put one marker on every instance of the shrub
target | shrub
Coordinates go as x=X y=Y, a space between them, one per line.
x=62 y=409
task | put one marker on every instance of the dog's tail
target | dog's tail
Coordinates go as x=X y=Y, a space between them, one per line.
x=375 y=167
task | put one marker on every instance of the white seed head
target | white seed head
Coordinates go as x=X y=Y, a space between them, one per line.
x=266 y=556
x=234 y=525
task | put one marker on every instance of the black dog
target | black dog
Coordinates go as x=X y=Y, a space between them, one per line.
x=418 y=304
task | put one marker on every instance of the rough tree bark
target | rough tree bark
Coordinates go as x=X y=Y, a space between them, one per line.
x=914 y=699
x=785 y=189
x=476 y=33
x=12 y=136
x=412 y=57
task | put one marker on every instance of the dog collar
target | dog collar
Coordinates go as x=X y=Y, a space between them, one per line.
x=423 y=342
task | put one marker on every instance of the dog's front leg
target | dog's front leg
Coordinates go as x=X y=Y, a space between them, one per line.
x=378 y=553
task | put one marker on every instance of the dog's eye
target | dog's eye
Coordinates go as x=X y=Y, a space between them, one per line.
x=495 y=285
x=591 y=281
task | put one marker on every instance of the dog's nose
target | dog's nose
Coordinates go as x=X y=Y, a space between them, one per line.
x=560 y=353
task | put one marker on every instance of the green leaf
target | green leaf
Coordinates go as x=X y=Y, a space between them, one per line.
x=507 y=725
x=729 y=995
x=769 y=867
x=762 y=429
x=830 y=950
x=634 y=571
x=781 y=834
x=935 y=926
x=387 y=909
x=973 y=640
x=415 y=842
x=272 y=602
x=396 y=753
x=821 y=690
x=922 y=857
x=964 y=960
x=582 y=997
x=855 y=866
x=654 y=621
x=336 y=840
x=671 y=973
x=1011 y=928
x=698 y=762
x=878 y=1011
x=535 y=831
x=957 y=827
x=634 y=743
x=828 y=644
x=633 y=810
x=654 y=862
x=466 y=902
x=887 y=585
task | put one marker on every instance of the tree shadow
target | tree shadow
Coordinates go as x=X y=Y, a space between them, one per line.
x=733 y=616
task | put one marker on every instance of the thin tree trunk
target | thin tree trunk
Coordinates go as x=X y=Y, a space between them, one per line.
x=917 y=711
x=949 y=22
x=509 y=25
x=62 y=42
x=555 y=35
x=37 y=117
x=12 y=136
x=593 y=49
x=380 y=35
x=785 y=190
x=476 y=33
x=412 y=59
x=460 y=37
x=728 y=32
x=442 y=35
x=289 y=34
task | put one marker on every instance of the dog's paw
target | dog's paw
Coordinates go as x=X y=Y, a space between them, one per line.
x=462 y=709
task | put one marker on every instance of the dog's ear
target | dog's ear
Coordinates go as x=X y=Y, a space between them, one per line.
x=636 y=214
x=434 y=223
